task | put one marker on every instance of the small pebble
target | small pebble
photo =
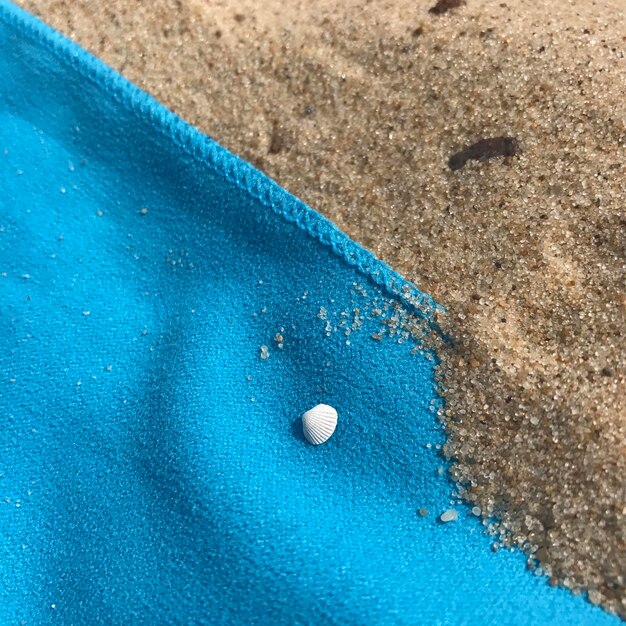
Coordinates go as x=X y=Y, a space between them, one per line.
x=451 y=515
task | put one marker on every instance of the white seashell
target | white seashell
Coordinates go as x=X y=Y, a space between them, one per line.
x=319 y=423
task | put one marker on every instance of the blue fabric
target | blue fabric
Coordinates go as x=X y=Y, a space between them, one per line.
x=152 y=470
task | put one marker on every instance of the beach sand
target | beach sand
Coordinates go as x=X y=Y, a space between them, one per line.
x=389 y=117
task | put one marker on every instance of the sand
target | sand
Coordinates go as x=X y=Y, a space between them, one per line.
x=478 y=148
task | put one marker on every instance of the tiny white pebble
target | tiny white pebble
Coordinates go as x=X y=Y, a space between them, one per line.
x=264 y=352
x=144 y=211
x=450 y=515
x=63 y=190
x=476 y=511
x=85 y=313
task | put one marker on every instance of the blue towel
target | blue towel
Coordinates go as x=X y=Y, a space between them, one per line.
x=152 y=464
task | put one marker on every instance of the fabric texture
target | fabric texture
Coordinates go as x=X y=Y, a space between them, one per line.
x=152 y=466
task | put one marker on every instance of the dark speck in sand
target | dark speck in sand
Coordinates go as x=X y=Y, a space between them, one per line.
x=239 y=17
x=277 y=141
x=443 y=6
x=483 y=150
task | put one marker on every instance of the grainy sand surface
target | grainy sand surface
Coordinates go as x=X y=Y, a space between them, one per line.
x=388 y=117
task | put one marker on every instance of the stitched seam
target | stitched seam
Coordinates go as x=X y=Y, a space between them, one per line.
x=207 y=152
